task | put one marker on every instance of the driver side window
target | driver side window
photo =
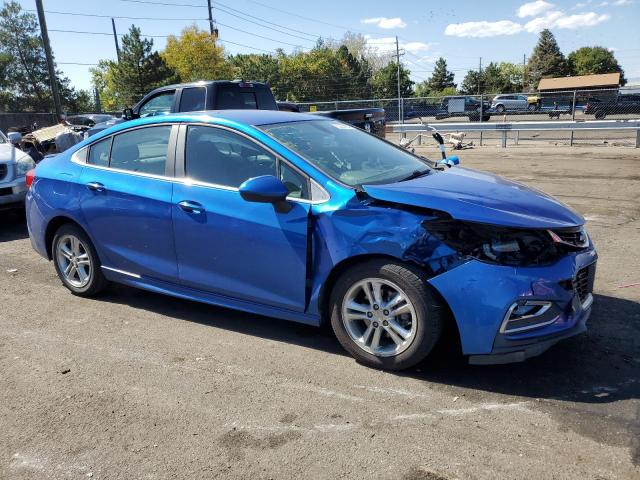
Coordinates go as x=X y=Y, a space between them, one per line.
x=218 y=156
x=158 y=105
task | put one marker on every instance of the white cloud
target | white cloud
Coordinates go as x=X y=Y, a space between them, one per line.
x=387 y=23
x=620 y=3
x=532 y=9
x=483 y=29
x=416 y=47
x=388 y=45
x=557 y=19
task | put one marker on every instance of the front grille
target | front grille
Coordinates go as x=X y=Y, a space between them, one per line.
x=5 y=191
x=581 y=284
x=575 y=237
x=3 y=170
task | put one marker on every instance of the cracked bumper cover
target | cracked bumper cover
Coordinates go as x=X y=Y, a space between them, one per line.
x=480 y=294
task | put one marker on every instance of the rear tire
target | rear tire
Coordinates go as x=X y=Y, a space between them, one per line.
x=600 y=115
x=401 y=311
x=77 y=262
x=500 y=109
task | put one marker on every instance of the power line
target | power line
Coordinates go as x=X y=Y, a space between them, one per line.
x=256 y=35
x=264 y=26
x=119 y=17
x=164 y=3
x=264 y=21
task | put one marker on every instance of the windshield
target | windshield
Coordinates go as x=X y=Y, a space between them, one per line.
x=346 y=153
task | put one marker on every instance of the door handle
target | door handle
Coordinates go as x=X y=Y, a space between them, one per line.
x=191 y=207
x=95 y=186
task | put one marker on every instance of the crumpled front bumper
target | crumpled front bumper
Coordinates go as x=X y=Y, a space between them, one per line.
x=480 y=295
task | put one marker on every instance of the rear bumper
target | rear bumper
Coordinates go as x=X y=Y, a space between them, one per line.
x=12 y=193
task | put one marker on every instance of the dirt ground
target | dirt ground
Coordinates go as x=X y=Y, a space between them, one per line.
x=134 y=385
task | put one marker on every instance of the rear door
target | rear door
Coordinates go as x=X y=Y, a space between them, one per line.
x=226 y=245
x=127 y=201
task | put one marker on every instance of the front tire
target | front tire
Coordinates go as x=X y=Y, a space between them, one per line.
x=77 y=262
x=386 y=315
x=500 y=109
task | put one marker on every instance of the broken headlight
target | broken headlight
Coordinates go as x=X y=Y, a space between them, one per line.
x=495 y=244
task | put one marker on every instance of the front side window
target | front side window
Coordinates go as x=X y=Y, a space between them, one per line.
x=218 y=156
x=296 y=183
x=99 y=153
x=158 y=105
x=143 y=150
x=347 y=154
x=193 y=99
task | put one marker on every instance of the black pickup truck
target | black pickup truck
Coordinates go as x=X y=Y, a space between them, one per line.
x=626 y=103
x=227 y=95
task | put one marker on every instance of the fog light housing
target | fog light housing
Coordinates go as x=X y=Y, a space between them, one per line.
x=528 y=315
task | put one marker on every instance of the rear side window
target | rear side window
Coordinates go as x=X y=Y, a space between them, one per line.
x=218 y=156
x=233 y=97
x=193 y=99
x=266 y=101
x=143 y=150
x=99 y=153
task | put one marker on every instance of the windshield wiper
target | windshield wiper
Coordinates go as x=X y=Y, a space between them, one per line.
x=415 y=174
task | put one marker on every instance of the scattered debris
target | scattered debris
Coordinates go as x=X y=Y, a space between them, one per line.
x=65 y=371
x=629 y=285
x=12 y=270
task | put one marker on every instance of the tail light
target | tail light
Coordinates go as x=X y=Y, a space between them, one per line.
x=30 y=177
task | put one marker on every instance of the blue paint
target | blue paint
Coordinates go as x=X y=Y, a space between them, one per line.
x=253 y=257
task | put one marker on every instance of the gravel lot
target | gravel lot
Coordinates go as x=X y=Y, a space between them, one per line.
x=135 y=385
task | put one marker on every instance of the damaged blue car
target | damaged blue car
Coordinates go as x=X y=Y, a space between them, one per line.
x=309 y=219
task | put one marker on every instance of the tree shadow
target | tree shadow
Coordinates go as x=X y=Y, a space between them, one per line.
x=13 y=225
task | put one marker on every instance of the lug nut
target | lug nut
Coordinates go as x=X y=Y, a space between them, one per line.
x=386 y=312
x=375 y=324
x=385 y=323
x=376 y=307
x=369 y=314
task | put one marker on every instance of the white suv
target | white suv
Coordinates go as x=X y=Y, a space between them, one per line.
x=14 y=165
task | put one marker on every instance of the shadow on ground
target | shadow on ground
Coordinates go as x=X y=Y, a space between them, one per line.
x=598 y=367
x=13 y=225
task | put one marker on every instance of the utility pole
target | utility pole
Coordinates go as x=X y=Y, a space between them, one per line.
x=524 y=72
x=47 y=50
x=212 y=27
x=479 y=75
x=115 y=38
x=400 y=112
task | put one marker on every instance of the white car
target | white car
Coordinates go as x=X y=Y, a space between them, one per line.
x=503 y=103
x=14 y=165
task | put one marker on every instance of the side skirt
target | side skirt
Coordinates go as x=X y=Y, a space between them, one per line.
x=180 y=291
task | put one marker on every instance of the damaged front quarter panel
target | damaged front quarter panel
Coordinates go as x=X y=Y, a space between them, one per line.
x=361 y=227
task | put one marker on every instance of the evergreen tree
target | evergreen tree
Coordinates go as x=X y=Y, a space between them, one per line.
x=24 y=76
x=594 y=60
x=140 y=69
x=440 y=80
x=547 y=60
x=385 y=82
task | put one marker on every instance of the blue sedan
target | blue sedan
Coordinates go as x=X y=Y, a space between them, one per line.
x=311 y=220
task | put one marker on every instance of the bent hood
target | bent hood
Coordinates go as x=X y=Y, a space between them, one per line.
x=479 y=197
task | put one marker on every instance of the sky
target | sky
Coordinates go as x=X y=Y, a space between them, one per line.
x=461 y=31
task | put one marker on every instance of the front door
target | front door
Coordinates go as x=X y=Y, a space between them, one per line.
x=226 y=245
x=127 y=201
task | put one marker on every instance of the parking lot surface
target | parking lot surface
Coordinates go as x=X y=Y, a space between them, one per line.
x=135 y=385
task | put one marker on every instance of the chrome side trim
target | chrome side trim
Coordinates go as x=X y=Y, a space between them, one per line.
x=129 y=274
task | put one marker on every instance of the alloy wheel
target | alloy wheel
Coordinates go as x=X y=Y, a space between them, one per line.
x=74 y=261
x=379 y=317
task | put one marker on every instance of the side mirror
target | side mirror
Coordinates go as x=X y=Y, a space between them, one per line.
x=128 y=114
x=266 y=189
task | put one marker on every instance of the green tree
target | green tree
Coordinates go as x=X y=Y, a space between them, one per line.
x=469 y=85
x=547 y=60
x=441 y=79
x=194 y=55
x=385 y=82
x=594 y=60
x=24 y=77
x=139 y=70
x=512 y=77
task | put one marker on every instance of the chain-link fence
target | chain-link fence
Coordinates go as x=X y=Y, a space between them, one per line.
x=619 y=103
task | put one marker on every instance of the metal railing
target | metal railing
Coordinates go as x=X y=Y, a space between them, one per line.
x=504 y=128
